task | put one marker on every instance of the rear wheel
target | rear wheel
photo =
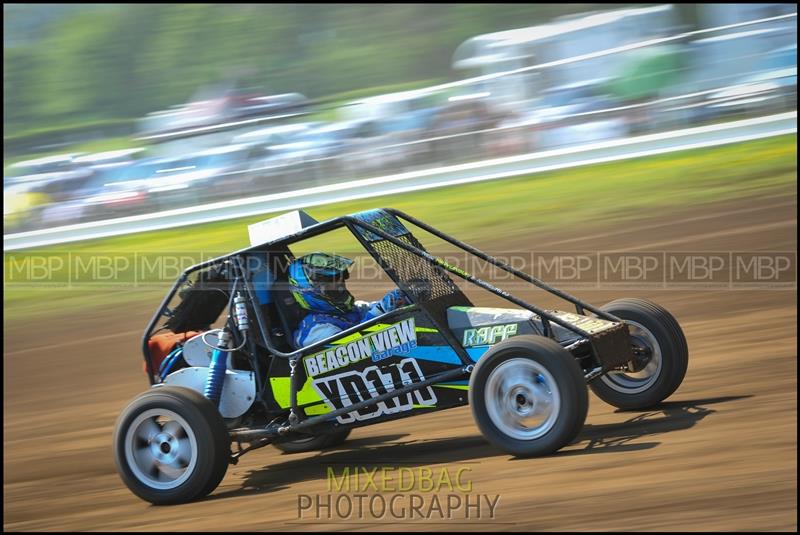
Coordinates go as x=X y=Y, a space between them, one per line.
x=171 y=445
x=661 y=357
x=313 y=443
x=528 y=396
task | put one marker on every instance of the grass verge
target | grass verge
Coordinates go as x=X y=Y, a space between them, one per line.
x=595 y=196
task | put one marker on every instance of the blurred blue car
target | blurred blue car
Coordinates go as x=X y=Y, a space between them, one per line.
x=112 y=191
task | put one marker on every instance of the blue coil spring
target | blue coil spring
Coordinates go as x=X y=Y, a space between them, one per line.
x=216 y=376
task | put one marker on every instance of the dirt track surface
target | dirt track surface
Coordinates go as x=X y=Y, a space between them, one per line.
x=720 y=454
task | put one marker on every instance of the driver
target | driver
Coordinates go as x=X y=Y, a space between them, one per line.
x=317 y=282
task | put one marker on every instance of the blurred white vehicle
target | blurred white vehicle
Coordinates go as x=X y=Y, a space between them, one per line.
x=275 y=135
x=370 y=150
x=566 y=116
x=108 y=157
x=218 y=172
x=62 y=166
x=773 y=85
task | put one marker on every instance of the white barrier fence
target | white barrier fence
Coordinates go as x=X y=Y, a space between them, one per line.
x=606 y=151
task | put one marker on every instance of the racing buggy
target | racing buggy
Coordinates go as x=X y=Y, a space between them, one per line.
x=217 y=393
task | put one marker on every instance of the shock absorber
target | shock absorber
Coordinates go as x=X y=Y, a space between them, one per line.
x=216 y=369
x=240 y=311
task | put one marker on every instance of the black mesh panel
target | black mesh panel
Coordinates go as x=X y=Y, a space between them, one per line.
x=428 y=284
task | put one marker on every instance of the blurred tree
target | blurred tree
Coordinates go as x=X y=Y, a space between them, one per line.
x=124 y=60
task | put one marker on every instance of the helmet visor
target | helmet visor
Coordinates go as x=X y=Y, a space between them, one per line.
x=322 y=267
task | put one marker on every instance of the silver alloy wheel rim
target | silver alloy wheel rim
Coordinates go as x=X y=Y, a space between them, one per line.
x=161 y=454
x=637 y=382
x=522 y=399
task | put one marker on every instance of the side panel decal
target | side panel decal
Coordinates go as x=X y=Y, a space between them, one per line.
x=354 y=386
x=397 y=338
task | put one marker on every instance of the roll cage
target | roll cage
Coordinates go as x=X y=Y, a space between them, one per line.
x=390 y=243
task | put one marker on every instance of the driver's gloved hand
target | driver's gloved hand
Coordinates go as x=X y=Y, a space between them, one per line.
x=394 y=299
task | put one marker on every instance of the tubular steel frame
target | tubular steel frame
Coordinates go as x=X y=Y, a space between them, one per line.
x=354 y=224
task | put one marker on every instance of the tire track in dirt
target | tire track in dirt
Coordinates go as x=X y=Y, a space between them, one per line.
x=719 y=455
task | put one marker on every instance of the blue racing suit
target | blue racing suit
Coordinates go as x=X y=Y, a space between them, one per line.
x=320 y=325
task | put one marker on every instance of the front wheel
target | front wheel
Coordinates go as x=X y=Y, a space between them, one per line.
x=171 y=445
x=661 y=357
x=528 y=396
